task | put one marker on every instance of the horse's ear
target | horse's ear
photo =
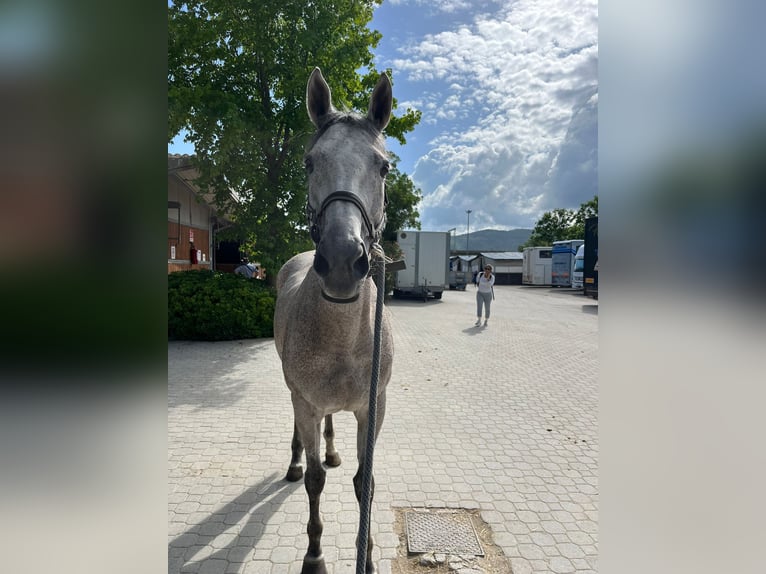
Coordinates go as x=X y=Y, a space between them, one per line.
x=318 y=102
x=381 y=103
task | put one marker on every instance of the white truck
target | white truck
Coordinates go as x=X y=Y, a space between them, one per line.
x=426 y=254
x=579 y=266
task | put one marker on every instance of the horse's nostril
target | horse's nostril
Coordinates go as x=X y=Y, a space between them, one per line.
x=362 y=266
x=321 y=266
x=341 y=263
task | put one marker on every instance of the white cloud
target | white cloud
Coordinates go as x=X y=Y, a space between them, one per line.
x=413 y=104
x=516 y=113
x=447 y=6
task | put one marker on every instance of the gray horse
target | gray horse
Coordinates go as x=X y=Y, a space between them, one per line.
x=325 y=313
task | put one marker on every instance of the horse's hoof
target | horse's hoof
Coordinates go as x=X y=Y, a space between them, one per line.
x=332 y=459
x=370 y=568
x=294 y=473
x=314 y=566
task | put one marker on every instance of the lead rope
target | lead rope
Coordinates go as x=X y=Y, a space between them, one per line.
x=364 y=502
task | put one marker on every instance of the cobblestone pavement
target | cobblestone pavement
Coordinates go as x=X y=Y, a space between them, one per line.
x=500 y=418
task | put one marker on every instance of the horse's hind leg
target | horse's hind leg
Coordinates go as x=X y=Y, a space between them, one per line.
x=295 y=471
x=361 y=455
x=332 y=458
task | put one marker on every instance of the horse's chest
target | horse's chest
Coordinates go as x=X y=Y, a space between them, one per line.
x=324 y=359
x=333 y=374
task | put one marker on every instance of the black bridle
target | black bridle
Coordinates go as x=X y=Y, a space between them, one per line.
x=314 y=217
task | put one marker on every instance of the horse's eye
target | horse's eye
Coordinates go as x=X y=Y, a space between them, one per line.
x=309 y=164
x=384 y=170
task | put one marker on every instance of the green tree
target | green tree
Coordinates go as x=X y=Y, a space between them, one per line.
x=561 y=224
x=237 y=77
x=403 y=198
x=586 y=210
x=552 y=226
x=401 y=213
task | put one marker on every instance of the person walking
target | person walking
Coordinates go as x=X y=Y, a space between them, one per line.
x=484 y=294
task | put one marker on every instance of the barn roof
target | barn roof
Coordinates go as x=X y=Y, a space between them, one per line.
x=182 y=167
x=464 y=257
x=503 y=255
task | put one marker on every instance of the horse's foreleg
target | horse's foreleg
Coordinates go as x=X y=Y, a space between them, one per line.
x=309 y=430
x=332 y=458
x=295 y=471
x=313 y=562
x=369 y=567
x=361 y=455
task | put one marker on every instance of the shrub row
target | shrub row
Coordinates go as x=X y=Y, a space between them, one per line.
x=214 y=306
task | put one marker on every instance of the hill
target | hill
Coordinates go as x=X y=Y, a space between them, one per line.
x=492 y=240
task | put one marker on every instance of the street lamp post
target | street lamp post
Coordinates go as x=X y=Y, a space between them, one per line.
x=468 y=227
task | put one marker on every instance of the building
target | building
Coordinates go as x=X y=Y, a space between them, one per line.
x=192 y=218
x=461 y=262
x=507 y=266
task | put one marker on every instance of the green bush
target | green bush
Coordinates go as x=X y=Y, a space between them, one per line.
x=214 y=306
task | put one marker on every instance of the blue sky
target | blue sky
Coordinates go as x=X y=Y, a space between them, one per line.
x=509 y=96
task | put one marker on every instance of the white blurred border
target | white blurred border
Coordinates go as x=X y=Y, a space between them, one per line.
x=681 y=290
x=83 y=480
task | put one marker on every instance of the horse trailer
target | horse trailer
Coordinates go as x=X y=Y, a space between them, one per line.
x=426 y=255
x=563 y=261
x=536 y=267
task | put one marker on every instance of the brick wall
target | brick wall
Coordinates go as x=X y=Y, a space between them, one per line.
x=172 y=267
x=201 y=241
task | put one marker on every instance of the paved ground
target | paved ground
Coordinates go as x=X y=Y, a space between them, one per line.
x=501 y=419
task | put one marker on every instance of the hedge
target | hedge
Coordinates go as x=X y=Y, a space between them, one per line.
x=214 y=306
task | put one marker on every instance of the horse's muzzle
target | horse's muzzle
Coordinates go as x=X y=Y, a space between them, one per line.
x=341 y=268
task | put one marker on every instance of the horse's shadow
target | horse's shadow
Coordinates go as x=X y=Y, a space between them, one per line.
x=258 y=503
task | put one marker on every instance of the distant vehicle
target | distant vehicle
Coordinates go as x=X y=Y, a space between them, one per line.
x=590 y=272
x=426 y=254
x=459 y=276
x=563 y=262
x=577 y=274
x=536 y=267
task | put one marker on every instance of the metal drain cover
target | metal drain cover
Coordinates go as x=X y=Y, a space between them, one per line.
x=447 y=532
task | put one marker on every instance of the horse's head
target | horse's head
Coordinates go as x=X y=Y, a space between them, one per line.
x=347 y=166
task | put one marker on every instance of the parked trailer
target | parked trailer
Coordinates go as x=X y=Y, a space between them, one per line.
x=426 y=254
x=590 y=270
x=563 y=261
x=536 y=268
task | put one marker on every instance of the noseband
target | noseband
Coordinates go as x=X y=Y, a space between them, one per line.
x=314 y=216
x=373 y=232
